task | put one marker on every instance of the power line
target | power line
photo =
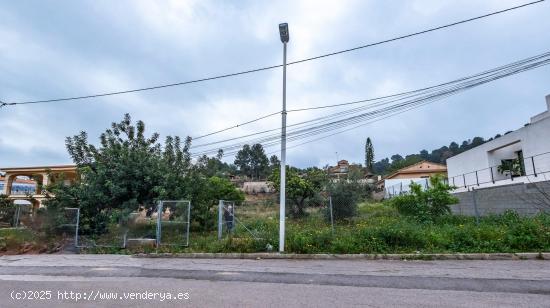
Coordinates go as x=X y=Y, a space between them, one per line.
x=418 y=33
x=418 y=91
x=450 y=89
x=420 y=94
x=237 y=125
x=273 y=66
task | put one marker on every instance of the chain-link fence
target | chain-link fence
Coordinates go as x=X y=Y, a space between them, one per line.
x=233 y=219
x=67 y=223
x=23 y=216
x=18 y=215
x=173 y=221
x=165 y=224
x=106 y=229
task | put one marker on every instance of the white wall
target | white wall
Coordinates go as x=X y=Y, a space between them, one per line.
x=533 y=139
x=398 y=186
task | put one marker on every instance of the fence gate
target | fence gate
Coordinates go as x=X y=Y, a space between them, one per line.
x=69 y=221
x=173 y=220
x=228 y=219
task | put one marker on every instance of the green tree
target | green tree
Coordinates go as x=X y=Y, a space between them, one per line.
x=396 y=158
x=299 y=188
x=274 y=163
x=7 y=210
x=426 y=205
x=252 y=161
x=259 y=161
x=369 y=155
x=213 y=166
x=130 y=172
x=204 y=194
x=126 y=171
x=243 y=160
x=345 y=196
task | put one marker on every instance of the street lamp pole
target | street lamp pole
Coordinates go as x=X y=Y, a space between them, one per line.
x=283 y=31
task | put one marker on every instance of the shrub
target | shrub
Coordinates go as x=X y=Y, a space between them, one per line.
x=204 y=195
x=300 y=188
x=426 y=205
x=7 y=210
x=345 y=197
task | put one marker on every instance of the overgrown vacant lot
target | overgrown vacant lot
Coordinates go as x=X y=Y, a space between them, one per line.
x=378 y=228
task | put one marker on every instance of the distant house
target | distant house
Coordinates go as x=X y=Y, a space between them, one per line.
x=399 y=181
x=340 y=170
x=420 y=170
x=343 y=169
x=520 y=156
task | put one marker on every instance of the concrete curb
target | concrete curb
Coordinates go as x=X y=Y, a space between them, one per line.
x=293 y=256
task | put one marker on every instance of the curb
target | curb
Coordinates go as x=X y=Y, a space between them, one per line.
x=411 y=256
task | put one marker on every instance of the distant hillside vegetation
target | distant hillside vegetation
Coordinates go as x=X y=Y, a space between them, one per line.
x=397 y=161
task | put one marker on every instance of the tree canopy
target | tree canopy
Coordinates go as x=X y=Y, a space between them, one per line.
x=440 y=155
x=130 y=171
x=369 y=155
x=300 y=187
x=252 y=161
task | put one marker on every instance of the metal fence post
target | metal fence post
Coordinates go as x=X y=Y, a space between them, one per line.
x=331 y=215
x=188 y=222
x=232 y=231
x=477 y=179
x=76 y=228
x=464 y=179
x=492 y=176
x=16 y=215
x=220 y=225
x=533 y=163
x=159 y=222
x=474 y=199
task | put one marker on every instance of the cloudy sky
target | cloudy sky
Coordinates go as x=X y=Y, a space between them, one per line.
x=51 y=49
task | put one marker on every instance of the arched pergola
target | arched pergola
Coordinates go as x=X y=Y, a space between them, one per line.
x=42 y=175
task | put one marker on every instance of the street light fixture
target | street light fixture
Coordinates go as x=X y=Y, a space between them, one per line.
x=283 y=31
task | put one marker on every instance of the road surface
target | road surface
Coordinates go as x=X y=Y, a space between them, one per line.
x=125 y=281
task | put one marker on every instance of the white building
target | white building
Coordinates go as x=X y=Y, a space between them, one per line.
x=521 y=156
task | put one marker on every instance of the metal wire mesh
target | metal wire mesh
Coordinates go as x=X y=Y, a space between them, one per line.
x=173 y=221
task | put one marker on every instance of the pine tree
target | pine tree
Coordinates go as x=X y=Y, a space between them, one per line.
x=369 y=155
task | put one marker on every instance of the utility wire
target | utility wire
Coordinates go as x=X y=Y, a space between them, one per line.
x=453 y=89
x=418 y=33
x=274 y=66
x=237 y=125
x=352 y=128
x=500 y=72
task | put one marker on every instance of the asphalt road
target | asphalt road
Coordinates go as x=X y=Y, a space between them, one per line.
x=124 y=281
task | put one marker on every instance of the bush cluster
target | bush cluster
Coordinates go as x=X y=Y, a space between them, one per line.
x=428 y=204
x=386 y=232
x=345 y=196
